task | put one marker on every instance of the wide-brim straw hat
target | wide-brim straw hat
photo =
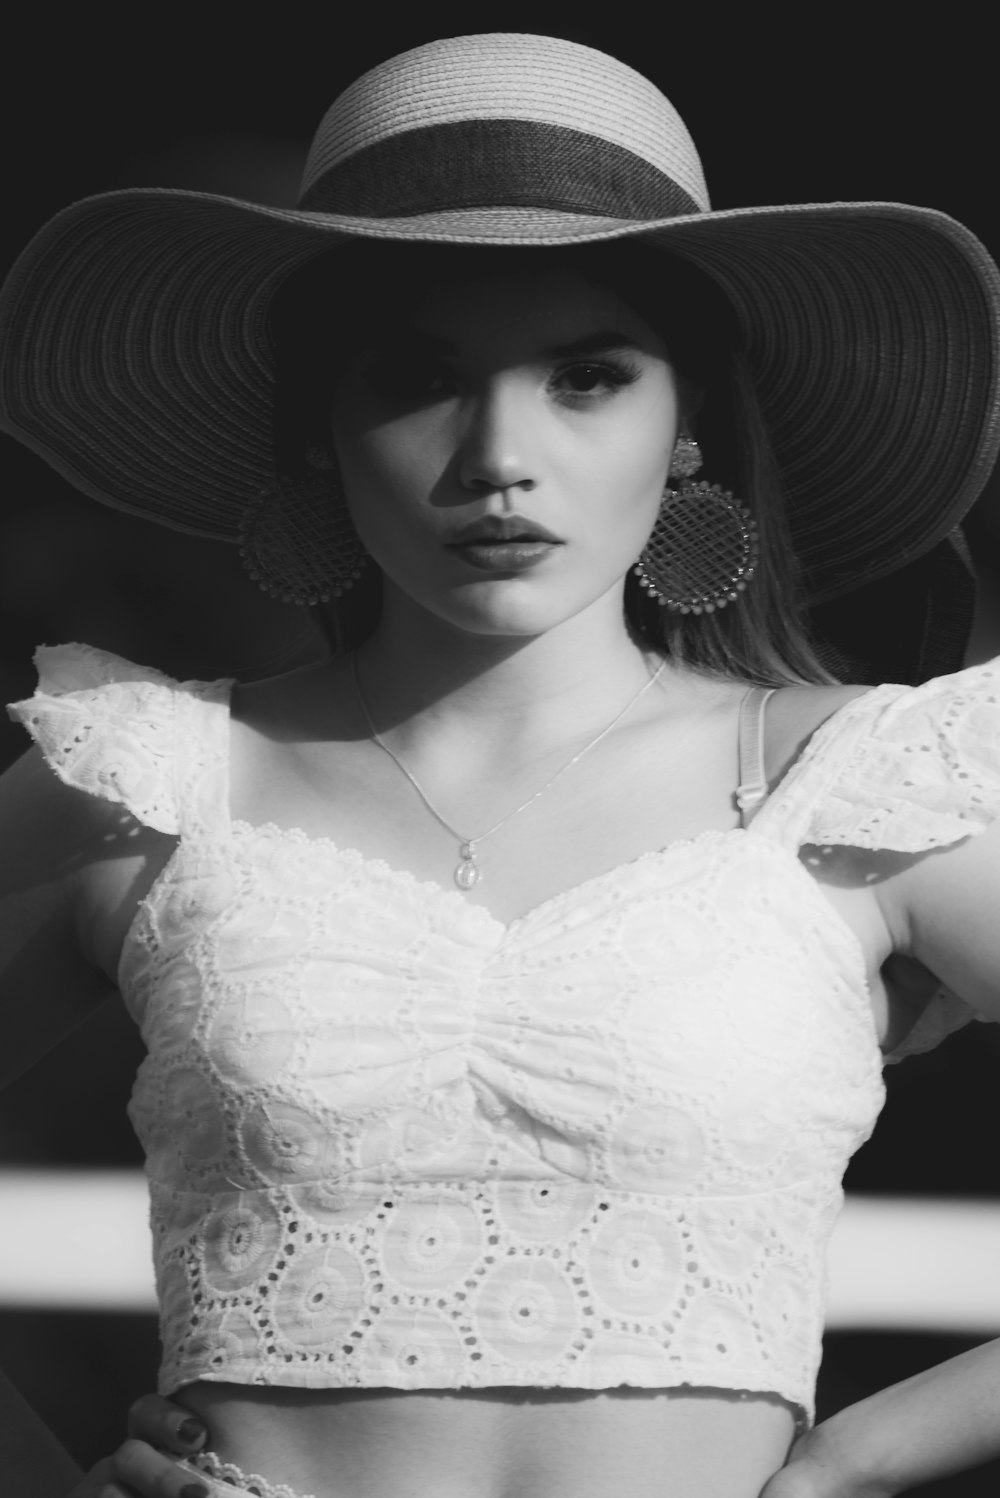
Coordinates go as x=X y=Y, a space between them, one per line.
x=134 y=343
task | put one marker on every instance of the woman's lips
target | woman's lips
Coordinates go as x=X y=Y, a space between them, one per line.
x=503 y=543
x=504 y=556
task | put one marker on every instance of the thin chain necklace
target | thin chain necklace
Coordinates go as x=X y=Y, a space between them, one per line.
x=467 y=871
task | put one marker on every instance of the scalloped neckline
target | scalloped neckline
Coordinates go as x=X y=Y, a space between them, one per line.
x=393 y=874
x=403 y=877
x=453 y=899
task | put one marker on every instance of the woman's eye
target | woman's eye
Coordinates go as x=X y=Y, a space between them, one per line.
x=595 y=379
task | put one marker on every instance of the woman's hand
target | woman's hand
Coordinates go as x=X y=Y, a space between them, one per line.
x=805 y=1481
x=812 y=1471
x=929 y=1427
x=144 y=1466
x=790 y=1482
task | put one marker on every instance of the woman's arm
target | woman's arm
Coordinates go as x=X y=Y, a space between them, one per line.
x=944 y=911
x=50 y=834
x=52 y=837
x=940 y=1422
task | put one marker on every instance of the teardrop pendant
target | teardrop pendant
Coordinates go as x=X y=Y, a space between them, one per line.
x=468 y=872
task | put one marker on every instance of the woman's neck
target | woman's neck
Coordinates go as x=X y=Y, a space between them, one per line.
x=427 y=679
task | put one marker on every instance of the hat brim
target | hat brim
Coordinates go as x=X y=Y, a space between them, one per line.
x=134 y=353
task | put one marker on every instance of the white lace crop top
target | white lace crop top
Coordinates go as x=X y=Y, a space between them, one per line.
x=393 y=1142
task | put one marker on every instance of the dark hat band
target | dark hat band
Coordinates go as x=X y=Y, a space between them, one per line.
x=485 y=163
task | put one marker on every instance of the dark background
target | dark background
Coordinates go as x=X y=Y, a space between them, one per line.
x=786 y=105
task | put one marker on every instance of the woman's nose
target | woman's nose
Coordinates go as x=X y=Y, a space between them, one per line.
x=496 y=443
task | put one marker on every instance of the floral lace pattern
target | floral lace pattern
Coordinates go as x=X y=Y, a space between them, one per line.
x=392 y=1141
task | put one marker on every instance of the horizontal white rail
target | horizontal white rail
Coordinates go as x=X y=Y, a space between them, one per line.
x=80 y=1240
x=909 y=1264
x=75 y=1239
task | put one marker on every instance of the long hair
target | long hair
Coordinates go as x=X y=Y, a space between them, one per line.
x=324 y=310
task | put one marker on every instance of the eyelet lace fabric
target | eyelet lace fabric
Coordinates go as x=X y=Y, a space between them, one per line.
x=392 y=1141
x=131 y=735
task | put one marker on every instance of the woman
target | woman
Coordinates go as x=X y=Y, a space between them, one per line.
x=501 y=1074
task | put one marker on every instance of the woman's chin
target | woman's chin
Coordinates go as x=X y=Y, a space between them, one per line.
x=500 y=619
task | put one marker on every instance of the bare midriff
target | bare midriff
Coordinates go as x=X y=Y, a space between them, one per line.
x=499 y=1442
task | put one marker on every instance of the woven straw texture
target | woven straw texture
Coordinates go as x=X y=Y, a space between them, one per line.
x=509 y=76
x=134 y=352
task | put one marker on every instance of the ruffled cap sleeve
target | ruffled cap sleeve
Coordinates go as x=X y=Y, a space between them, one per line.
x=114 y=729
x=904 y=768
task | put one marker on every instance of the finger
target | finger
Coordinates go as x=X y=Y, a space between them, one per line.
x=155 y=1420
x=151 y=1474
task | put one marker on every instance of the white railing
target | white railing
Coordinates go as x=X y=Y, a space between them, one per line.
x=80 y=1240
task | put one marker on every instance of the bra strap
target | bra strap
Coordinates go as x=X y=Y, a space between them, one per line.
x=752 y=790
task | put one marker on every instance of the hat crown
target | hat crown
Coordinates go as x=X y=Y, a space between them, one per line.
x=508 y=77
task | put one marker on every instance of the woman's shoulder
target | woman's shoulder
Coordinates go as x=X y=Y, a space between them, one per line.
x=794 y=716
x=291 y=704
x=292 y=740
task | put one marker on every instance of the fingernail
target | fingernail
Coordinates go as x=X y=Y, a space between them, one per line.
x=194 y=1490
x=190 y=1432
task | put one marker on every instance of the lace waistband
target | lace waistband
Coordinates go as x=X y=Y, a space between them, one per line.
x=233 y=1481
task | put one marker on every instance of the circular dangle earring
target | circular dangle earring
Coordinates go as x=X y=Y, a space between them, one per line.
x=297 y=539
x=703 y=549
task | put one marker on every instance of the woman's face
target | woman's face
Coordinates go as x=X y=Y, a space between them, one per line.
x=504 y=445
